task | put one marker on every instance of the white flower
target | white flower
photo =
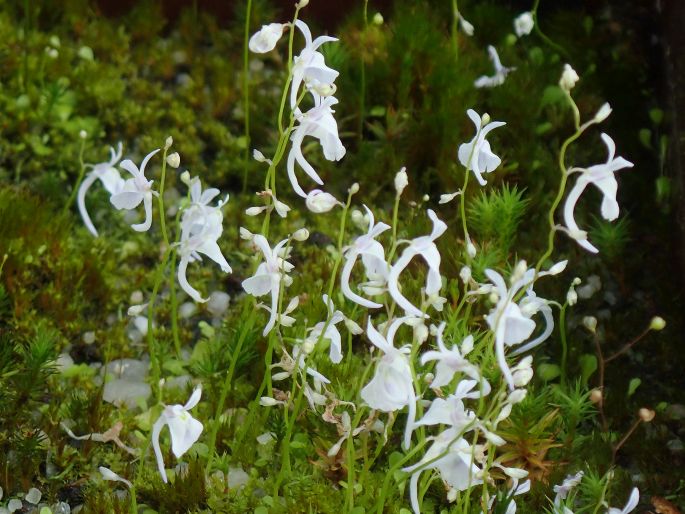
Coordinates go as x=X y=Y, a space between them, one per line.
x=331 y=331
x=602 y=176
x=456 y=467
x=265 y=39
x=110 y=178
x=183 y=428
x=310 y=66
x=267 y=277
x=425 y=247
x=318 y=122
x=201 y=227
x=451 y=361
x=523 y=24
x=570 y=482
x=373 y=258
x=391 y=387
x=476 y=154
x=514 y=490
x=630 y=506
x=319 y=201
x=135 y=190
x=511 y=322
x=568 y=79
x=500 y=75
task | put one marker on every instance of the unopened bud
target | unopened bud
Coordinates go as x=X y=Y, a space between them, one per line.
x=646 y=415
x=590 y=322
x=267 y=401
x=596 y=396
x=302 y=4
x=428 y=378
x=354 y=188
x=185 y=178
x=169 y=141
x=83 y=134
x=485 y=119
x=301 y=234
x=173 y=160
x=377 y=19
x=401 y=180
x=245 y=234
x=254 y=211
x=603 y=113
x=258 y=156
x=657 y=323
x=569 y=77
x=465 y=274
x=471 y=249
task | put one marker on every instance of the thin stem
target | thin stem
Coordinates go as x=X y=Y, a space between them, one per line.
x=628 y=346
x=558 y=198
x=618 y=446
x=151 y=343
x=362 y=71
x=600 y=364
x=228 y=382
x=455 y=29
x=246 y=91
x=564 y=343
x=81 y=174
x=543 y=36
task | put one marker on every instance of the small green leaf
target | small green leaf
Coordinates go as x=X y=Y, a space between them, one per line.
x=588 y=365
x=645 y=136
x=633 y=385
x=548 y=372
x=656 y=115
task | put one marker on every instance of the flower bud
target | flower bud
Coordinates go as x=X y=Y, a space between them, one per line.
x=401 y=180
x=448 y=197
x=265 y=39
x=465 y=274
x=83 y=134
x=267 y=401
x=590 y=322
x=569 y=77
x=646 y=415
x=169 y=141
x=603 y=113
x=658 y=323
x=185 y=178
x=245 y=234
x=377 y=19
x=254 y=211
x=319 y=202
x=353 y=327
x=485 y=119
x=471 y=249
x=354 y=188
x=571 y=296
x=308 y=346
x=596 y=396
x=523 y=24
x=516 y=396
x=428 y=378
x=301 y=234
x=558 y=267
x=173 y=160
x=302 y=4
